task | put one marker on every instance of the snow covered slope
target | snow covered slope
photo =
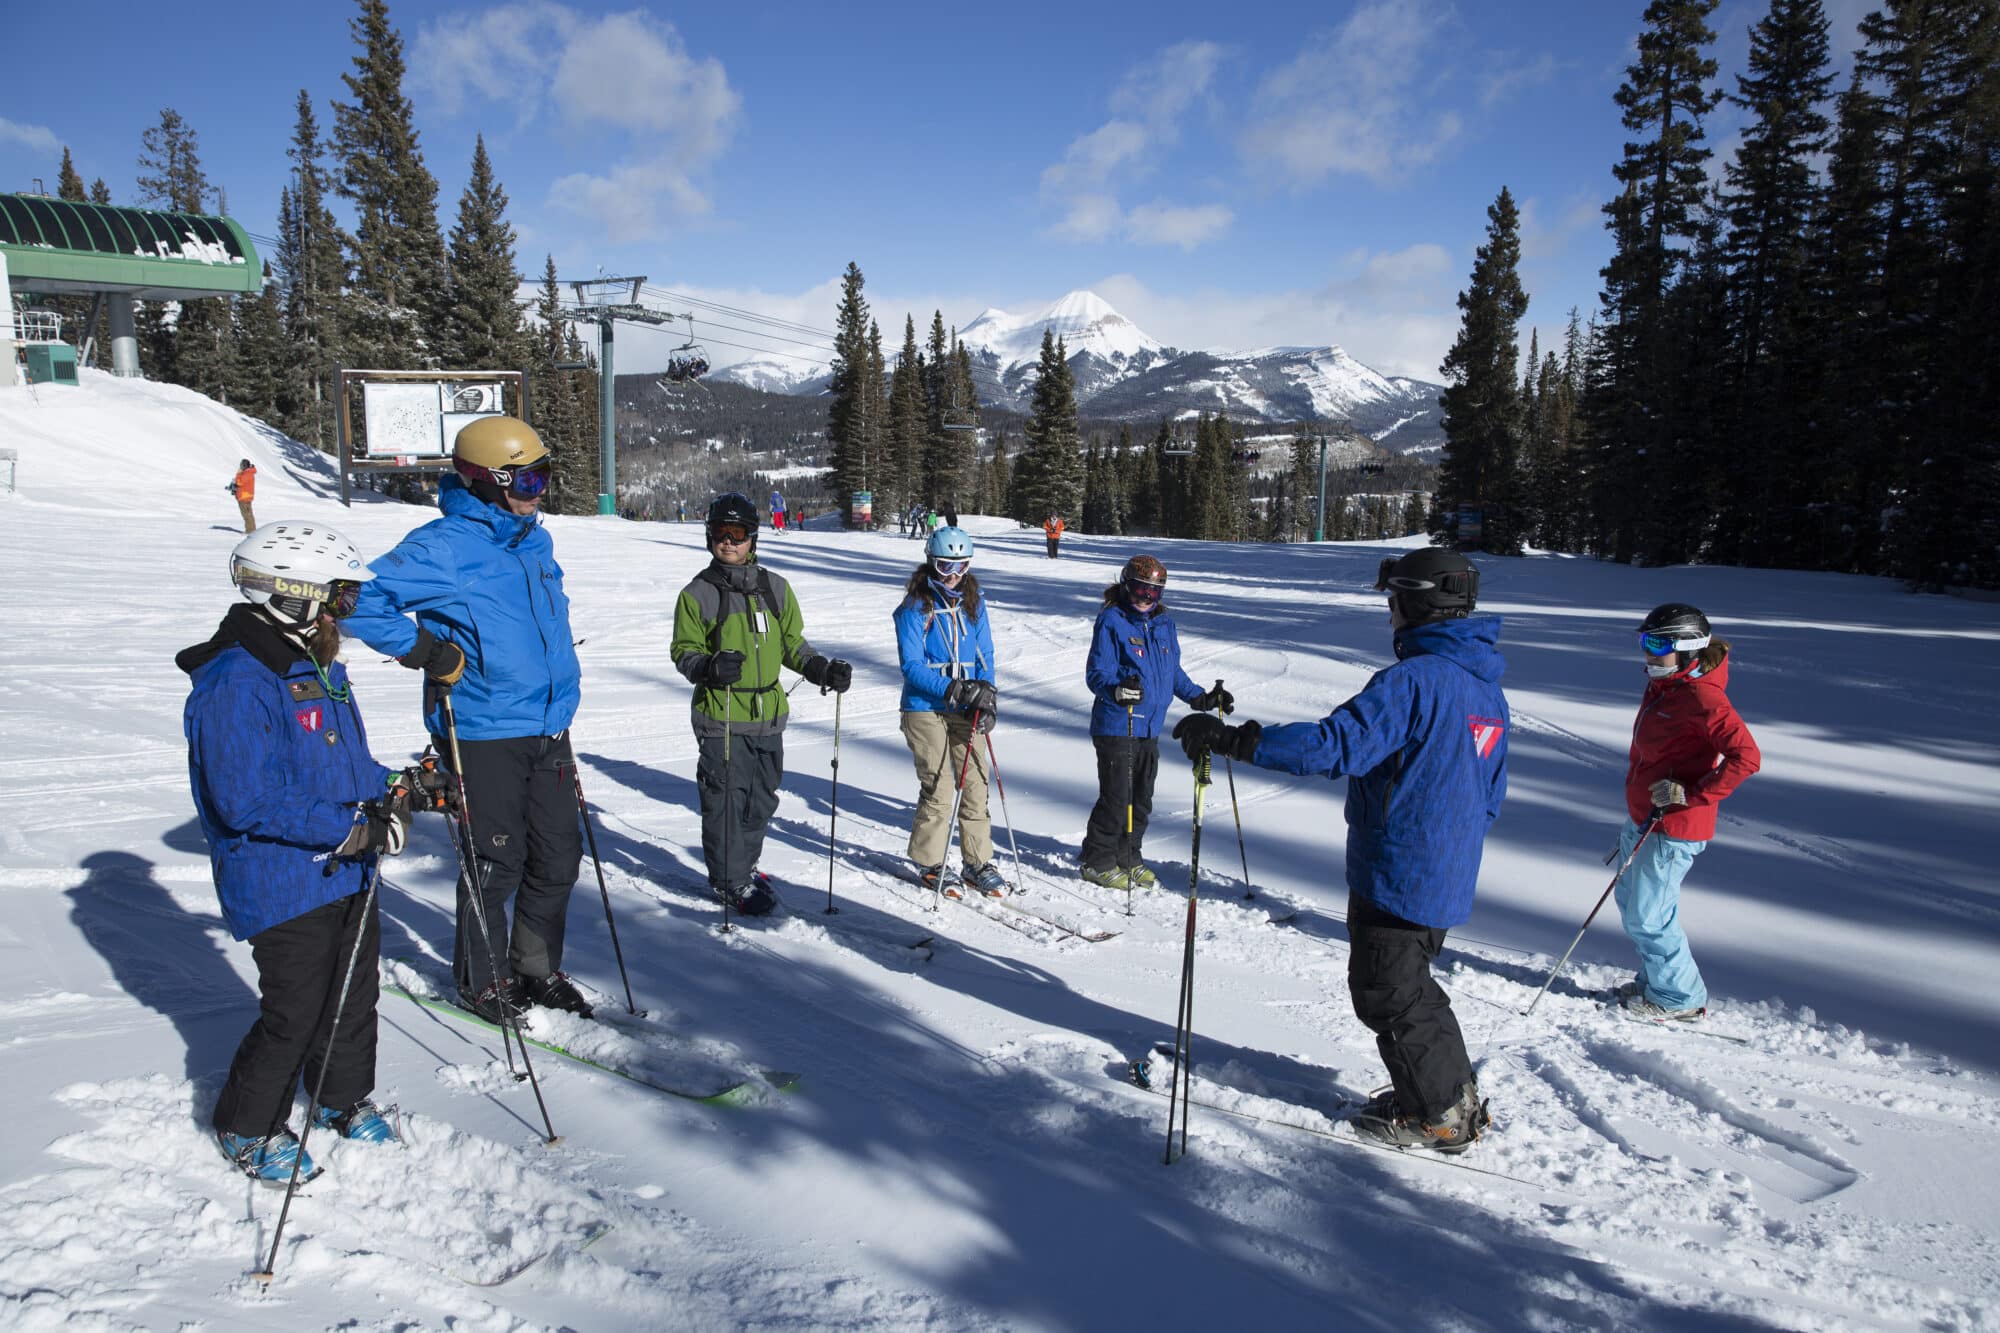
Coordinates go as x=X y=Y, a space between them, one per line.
x=962 y=1151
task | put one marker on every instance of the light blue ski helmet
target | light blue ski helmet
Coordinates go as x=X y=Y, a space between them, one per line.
x=949 y=544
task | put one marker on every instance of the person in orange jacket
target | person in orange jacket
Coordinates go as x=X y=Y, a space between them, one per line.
x=1053 y=528
x=244 y=488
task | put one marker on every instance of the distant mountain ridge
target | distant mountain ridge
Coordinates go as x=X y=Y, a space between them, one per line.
x=1122 y=373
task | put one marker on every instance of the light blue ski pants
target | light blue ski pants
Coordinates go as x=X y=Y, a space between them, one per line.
x=1649 y=900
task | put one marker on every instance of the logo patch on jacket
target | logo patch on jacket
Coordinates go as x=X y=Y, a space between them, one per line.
x=1138 y=645
x=1486 y=734
x=303 y=690
x=309 y=718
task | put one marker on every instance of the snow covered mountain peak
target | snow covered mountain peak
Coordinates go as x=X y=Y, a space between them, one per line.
x=1085 y=321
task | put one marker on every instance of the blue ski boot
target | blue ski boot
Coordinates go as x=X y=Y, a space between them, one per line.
x=268 y=1159
x=364 y=1122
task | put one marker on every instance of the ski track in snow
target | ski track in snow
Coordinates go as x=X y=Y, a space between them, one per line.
x=962 y=1151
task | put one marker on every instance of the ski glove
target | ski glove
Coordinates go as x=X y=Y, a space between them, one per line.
x=380 y=826
x=1215 y=700
x=440 y=659
x=724 y=668
x=1201 y=734
x=1128 y=693
x=829 y=673
x=1666 y=792
x=966 y=696
x=429 y=787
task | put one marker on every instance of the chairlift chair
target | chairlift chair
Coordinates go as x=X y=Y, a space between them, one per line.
x=689 y=361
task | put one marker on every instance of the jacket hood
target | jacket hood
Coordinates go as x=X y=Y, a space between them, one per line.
x=456 y=499
x=242 y=627
x=1472 y=643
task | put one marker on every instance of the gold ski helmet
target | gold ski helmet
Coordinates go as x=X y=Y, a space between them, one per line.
x=500 y=457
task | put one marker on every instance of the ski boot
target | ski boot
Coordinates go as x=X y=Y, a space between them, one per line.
x=555 y=991
x=270 y=1159
x=1107 y=878
x=1638 y=1006
x=498 y=1003
x=986 y=880
x=1452 y=1133
x=364 y=1122
x=752 y=899
x=1139 y=877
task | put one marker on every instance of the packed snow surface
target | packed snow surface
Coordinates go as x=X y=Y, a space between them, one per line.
x=963 y=1149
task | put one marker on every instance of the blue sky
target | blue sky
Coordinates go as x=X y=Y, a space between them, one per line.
x=1226 y=176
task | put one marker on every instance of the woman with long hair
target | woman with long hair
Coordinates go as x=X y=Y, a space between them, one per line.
x=945 y=642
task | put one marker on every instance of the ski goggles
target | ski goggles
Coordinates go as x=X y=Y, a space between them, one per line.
x=522 y=483
x=734 y=533
x=949 y=569
x=1143 y=593
x=1659 y=645
x=337 y=597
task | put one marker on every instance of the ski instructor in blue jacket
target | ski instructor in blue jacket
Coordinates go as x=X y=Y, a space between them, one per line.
x=1424 y=746
x=492 y=625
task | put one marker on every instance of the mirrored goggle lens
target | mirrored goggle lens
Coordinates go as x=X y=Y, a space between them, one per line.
x=947 y=569
x=1140 y=591
x=346 y=596
x=529 y=482
x=733 y=533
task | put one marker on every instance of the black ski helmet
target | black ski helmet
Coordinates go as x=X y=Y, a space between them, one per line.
x=732 y=507
x=1430 y=584
x=1676 y=619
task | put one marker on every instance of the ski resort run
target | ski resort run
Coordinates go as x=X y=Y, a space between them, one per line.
x=916 y=1113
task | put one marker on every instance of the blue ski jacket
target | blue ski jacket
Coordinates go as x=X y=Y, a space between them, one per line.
x=937 y=647
x=277 y=767
x=1125 y=643
x=486 y=579
x=1424 y=746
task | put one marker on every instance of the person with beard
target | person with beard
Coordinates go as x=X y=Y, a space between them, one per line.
x=735 y=623
x=1133 y=667
x=295 y=812
x=491 y=624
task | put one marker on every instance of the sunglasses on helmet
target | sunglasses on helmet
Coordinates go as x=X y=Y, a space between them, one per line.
x=1660 y=645
x=949 y=569
x=733 y=533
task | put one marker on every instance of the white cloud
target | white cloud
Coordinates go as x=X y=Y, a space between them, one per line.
x=38 y=137
x=1504 y=81
x=1349 y=102
x=1148 y=103
x=1168 y=224
x=629 y=72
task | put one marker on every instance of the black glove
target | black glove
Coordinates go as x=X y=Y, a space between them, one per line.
x=724 y=668
x=1199 y=733
x=440 y=659
x=1216 y=700
x=966 y=696
x=1128 y=693
x=381 y=826
x=829 y=673
x=430 y=787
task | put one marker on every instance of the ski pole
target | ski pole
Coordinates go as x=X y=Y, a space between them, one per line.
x=1229 y=771
x=1652 y=822
x=1131 y=780
x=583 y=808
x=374 y=876
x=957 y=795
x=728 y=808
x=994 y=764
x=1183 y=1084
x=833 y=808
x=476 y=888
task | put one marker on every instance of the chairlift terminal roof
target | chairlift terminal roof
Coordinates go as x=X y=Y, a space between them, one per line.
x=70 y=248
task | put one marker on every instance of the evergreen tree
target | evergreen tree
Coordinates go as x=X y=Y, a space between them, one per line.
x=847 y=395
x=170 y=173
x=1050 y=475
x=75 y=310
x=905 y=435
x=1305 y=486
x=261 y=353
x=875 y=422
x=312 y=272
x=1662 y=101
x=1142 y=489
x=564 y=408
x=1481 y=400
x=483 y=331
x=999 y=479
x=396 y=308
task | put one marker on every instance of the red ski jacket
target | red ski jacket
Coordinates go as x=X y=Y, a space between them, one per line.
x=1687 y=731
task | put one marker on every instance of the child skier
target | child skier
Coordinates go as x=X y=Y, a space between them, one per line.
x=733 y=625
x=1424 y=749
x=296 y=814
x=1134 y=664
x=944 y=640
x=1689 y=751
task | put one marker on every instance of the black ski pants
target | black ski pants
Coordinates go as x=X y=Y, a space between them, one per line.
x=1396 y=998
x=1123 y=766
x=521 y=794
x=300 y=965
x=737 y=801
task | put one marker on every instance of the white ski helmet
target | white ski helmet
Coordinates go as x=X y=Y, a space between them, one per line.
x=292 y=569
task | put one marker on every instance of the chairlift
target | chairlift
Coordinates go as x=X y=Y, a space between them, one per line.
x=689 y=361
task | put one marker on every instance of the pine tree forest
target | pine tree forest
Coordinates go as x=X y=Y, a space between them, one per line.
x=1792 y=360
